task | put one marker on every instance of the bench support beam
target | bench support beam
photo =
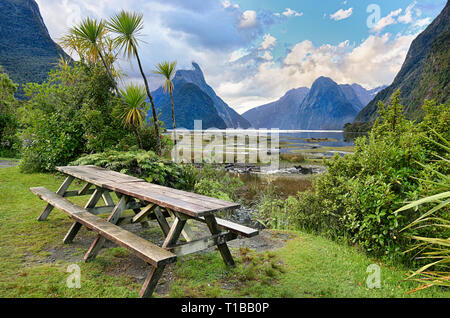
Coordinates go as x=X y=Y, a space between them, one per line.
x=100 y=240
x=151 y=281
x=175 y=231
x=223 y=247
x=62 y=189
x=76 y=227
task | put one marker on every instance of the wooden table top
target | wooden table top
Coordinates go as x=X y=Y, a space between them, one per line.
x=184 y=202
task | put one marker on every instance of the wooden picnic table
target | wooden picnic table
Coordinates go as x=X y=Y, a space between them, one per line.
x=147 y=201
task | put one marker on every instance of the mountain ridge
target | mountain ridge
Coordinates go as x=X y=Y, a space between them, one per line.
x=424 y=73
x=289 y=113
x=27 y=52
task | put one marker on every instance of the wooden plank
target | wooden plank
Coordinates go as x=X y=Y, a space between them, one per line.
x=177 y=200
x=113 y=219
x=192 y=198
x=142 y=214
x=233 y=227
x=151 y=281
x=107 y=198
x=161 y=218
x=75 y=228
x=149 y=252
x=223 y=248
x=85 y=189
x=76 y=193
x=161 y=200
x=175 y=232
x=186 y=232
x=202 y=244
x=62 y=189
x=56 y=200
x=96 y=175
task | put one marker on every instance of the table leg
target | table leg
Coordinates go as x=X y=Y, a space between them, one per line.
x=62 y=189
x=113 y=218
x=165 y=227
x=175 y=231
x=77 y=226
x=151 y=281
x=223 y=247
x=187 y=232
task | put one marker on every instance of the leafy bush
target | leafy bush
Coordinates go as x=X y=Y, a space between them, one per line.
x=144 y=164
x=9 y=140
x=69 y=114
x=216 y=182
x=360 y=194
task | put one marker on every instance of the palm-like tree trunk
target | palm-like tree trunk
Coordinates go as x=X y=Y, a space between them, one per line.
x=155 y=116
x=174 y=125
x=116 y=88
x=138 y=135
x=109 y=72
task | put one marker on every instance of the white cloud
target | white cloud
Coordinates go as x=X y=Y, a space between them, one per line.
x=267 y=56
x=269 y=41
x=289 y=12
x=408 y=16
x=422 y=22
x=248 y=19
x=375 y=62
x=341 y=14
x=227 y=4
x=385 y=21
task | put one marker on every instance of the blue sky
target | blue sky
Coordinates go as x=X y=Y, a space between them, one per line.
x=253 y=51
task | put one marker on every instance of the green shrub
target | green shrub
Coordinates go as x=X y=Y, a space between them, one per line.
x=359 y=195
x=69 y=114
x=217 y=183
x=144 y=164
x=10 y=142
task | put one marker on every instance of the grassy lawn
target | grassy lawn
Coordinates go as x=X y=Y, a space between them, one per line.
x=307 y=266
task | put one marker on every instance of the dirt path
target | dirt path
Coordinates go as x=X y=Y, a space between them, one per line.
x=137 y=269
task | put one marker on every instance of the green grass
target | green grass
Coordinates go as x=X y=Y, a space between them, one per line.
x=308 y=266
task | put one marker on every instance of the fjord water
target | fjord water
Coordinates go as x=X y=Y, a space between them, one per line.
x=289 y=140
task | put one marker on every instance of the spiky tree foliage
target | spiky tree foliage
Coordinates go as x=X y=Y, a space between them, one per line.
x=134 y=106
x=88 y=39
x=168 y=69
x=127 y=27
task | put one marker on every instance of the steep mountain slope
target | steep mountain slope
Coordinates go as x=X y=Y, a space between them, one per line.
x=278 y=114
x=289 y=111
x=424 y=74
x=325 y=107
x=191 y=103
x=27 y=53
x=231 y=118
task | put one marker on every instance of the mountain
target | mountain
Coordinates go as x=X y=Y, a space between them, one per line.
x=326 y=106
x=359 y=96
x=27 y=52
x=278 y=114
x=230 y=116
x=196 y=101
x=424 y=74
x=191 y=103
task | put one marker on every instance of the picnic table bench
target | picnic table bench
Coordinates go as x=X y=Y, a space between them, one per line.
x=147 y=201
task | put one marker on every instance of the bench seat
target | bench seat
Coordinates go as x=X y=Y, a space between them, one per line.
x=233 y=227
x=149 y=252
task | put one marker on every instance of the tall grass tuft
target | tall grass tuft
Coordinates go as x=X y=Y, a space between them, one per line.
x=434 y=250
